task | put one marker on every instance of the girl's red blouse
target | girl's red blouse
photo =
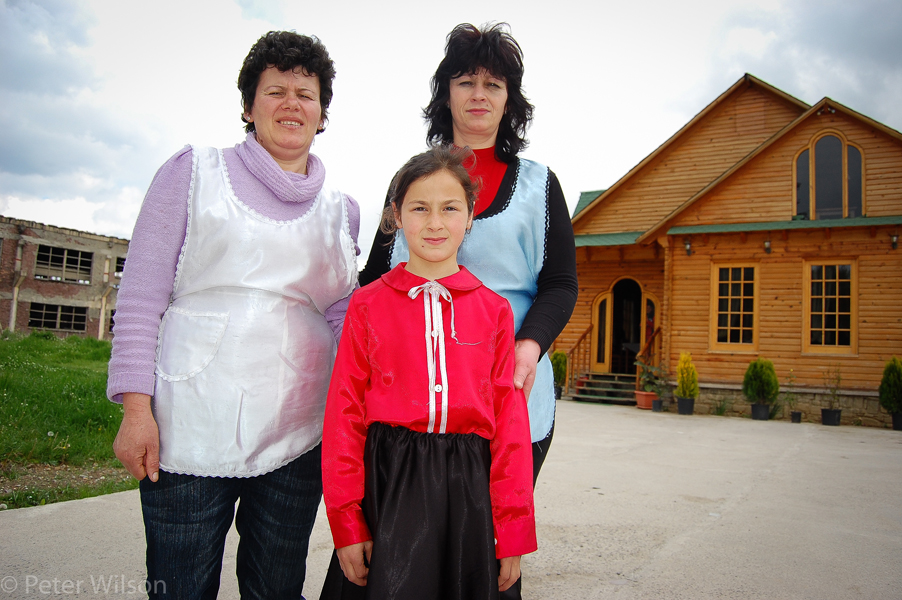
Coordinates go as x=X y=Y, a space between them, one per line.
x=381 y=374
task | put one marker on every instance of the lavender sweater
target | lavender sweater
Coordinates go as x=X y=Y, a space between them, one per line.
x=159 y=234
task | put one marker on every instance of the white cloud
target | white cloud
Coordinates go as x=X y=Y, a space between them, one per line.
x=748 y=42
x=95 y=96
x=73 y=213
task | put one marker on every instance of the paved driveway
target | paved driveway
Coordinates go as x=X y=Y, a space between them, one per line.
x=630 y=505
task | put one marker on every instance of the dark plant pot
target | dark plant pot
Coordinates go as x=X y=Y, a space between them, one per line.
x=657 y=405
x=644 y=399
x=897 y=421
x=685 y=406
x=796 y=416
x=557 y=392
x=760 y=412
x=830 y=416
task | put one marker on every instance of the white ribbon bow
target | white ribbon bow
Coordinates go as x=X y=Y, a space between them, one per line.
x=433 y=293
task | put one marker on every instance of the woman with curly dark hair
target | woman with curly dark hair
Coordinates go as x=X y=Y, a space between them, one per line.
x=239 y=274
x=521 y=244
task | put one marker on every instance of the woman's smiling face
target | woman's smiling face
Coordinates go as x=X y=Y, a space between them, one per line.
x=286 y=115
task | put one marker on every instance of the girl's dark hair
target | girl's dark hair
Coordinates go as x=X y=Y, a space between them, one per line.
x=438 y=158
x=469 y=49
x=286 y=50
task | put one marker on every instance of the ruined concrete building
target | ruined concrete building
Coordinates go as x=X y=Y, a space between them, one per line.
x=57 y=279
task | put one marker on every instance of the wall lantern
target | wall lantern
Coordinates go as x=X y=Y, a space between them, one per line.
x=688 y=245
x=767 y=246
x=895 y=238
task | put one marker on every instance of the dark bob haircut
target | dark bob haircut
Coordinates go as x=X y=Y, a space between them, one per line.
x=469 y=49
x=443 y=157
x=286 y=50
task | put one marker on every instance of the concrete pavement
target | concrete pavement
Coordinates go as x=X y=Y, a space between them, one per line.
x=630 y=505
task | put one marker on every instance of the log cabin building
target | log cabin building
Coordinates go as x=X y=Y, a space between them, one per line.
x=764 y=227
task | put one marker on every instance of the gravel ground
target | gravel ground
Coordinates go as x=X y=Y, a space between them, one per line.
x=22 y=478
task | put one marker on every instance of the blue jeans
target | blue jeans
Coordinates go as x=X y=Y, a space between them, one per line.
x=186 y=519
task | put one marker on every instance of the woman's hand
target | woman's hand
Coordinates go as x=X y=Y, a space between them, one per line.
x=527 y=353
x=354 y=560
x=137 y=445
x=509 y=573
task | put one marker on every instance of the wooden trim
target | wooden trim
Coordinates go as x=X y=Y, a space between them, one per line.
x=577 y=360
x=594 y=365
x=812 y=171
x=667 y=305
x=643 y=332
x=735 y=348
x=864 y=118
x=663 y=223
x=864 y=179
x=795 y=179
x=807 y=347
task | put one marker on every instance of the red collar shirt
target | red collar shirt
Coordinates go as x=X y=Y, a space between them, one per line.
x=434 y=359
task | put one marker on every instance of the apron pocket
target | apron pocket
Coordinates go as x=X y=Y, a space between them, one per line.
x=188 y=342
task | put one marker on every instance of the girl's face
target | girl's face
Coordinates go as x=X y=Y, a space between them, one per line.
x=434 y=219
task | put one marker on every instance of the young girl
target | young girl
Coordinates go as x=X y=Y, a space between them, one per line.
x=427 y=464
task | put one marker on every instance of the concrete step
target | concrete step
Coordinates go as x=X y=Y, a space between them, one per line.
x=605 y=388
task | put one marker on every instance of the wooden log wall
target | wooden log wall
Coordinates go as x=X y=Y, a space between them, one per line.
x=743 y=122
x=598 y=269
x=781 y=294
x=763 y=189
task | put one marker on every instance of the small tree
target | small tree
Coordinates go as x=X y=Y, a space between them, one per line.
x=651 y=377
x=891 y=386
x=559 y=367
x=790 y=394
x=832 y=381
x=687 y=377
x=760 y=384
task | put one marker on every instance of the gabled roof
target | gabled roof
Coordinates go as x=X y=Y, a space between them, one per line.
x=825 y=104
x=585 y=199
x=745 y=80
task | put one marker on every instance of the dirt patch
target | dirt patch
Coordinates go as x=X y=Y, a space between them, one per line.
x=20 y=478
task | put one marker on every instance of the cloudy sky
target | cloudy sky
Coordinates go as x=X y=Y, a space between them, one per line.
x=96 y=94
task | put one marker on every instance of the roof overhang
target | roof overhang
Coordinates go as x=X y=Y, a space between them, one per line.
x=623 y=238
x=785 y=225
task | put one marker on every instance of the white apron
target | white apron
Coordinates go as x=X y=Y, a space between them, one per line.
x=245 y=354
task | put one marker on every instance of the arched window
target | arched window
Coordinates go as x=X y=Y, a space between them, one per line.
x=829 y=180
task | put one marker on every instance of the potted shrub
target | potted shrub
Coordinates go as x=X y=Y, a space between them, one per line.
x=687 y=385
x=790 y=397
x=891 y=391
x=559 y=369
x=832 y=380
x=761 y=386
x=650 y=384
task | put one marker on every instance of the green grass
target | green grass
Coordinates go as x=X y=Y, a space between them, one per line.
x=53 y=405
x=39 y=497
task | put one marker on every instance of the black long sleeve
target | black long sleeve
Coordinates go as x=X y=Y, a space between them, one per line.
x=378 y=262
x=557 y=283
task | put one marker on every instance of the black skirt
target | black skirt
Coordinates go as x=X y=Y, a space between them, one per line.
x=427 y=504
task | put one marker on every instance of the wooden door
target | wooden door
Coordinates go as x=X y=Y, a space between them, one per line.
x=602 y=309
